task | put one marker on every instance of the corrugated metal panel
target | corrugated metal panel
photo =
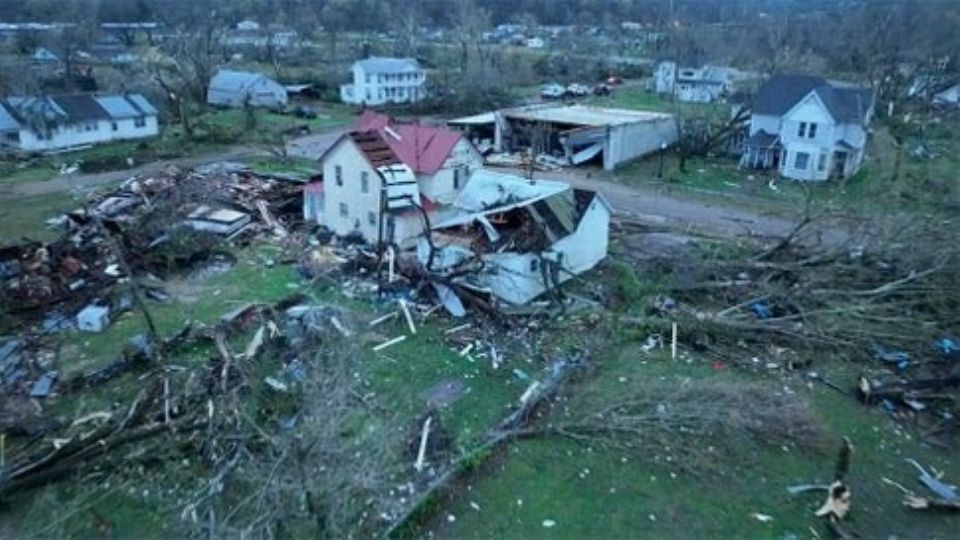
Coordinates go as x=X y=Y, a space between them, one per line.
x=118 y=107
x=143 y=104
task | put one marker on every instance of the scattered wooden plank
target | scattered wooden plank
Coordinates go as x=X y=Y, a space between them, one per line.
x=389 y=343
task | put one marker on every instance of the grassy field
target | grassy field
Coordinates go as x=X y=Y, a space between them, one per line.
x=703 y=486
x=930 y=184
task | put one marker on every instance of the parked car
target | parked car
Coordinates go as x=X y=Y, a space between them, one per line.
x=602 y=89
x=614 y=80
x=304 y=111
x=578 y=90
x=552 y=91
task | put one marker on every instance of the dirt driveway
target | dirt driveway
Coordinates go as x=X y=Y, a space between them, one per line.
x=676 y=209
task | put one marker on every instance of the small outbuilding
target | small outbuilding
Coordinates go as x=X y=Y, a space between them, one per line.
x=240 y=88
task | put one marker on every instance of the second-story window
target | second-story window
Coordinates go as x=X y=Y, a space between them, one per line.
x=812 y=133
x=802 y=130
x=338 y=173
x=364 y=182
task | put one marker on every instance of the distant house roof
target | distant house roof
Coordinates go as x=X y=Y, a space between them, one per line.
x=66 y=109
x=234 y=81
x=379 y=64
x=779 y=94
x=421 y=147
x=7 y=121
x=131 y=106
x=81 y=107
x=762 y=139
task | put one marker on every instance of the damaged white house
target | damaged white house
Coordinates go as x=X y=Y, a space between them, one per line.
x=703 y=84
x=380 y=179
x=517 y=239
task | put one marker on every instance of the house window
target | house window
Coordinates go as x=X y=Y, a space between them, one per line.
x=139 y=122
x=822 y=162
x=456 y=178
x=338 y=173
x=364 y=182
x=802 y=131
x=90 y=127
x=371 y=218
x=344 y=211
x=813 y=130
x=800 y=162
x=534 y=265
x=13 y=136
x=114 y=126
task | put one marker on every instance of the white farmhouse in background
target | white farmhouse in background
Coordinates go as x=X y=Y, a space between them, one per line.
x=693 y=84
x=56 y=123
x=807 y=128
x=239 y=88
x=518 y=238
x=379 y=179
x=378 y=81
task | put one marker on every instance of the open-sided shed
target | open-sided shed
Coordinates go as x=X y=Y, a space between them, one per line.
x=581 y=133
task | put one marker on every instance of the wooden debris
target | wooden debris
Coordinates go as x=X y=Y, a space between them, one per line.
x=457 y=328
x=422 y=452
x=255 y=344
x=407 y=315
x=384 y=318
x=389 y=343
x=340 y=328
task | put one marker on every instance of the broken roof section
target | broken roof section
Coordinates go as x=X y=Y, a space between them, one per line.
x=515 y=239
x=582 y=115
x=490 y=192
x=422 y=147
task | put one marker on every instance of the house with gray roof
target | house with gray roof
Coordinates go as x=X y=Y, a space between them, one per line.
x=807 y=128
x=379 y=81
x=245 y=88
x=67 y=122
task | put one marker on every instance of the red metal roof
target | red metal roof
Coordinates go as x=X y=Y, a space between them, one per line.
x=421 y=147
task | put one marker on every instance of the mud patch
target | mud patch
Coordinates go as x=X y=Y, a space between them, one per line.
x=445 y=393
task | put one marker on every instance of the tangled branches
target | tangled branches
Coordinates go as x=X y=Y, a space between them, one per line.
x=687 y=420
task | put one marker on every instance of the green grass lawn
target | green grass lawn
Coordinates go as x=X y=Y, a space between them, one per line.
x=595 y=491
x=23 y=217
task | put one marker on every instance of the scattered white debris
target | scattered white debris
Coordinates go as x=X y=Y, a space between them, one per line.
x=763 y=518
x=549 y=523
x=451 y=518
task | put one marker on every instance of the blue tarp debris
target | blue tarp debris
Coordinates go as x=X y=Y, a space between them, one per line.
x=44 y=385
x=898 y=358
x=761 y=310
x=948 y=347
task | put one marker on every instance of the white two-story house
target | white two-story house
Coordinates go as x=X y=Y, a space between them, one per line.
x=379 y=81
x=57 y=123
x=693 y=84
x=380 y=178
x=807 y=128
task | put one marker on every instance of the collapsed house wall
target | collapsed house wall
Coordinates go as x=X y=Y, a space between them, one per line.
x=516 y=239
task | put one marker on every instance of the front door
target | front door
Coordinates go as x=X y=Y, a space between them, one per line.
x=839 y=164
